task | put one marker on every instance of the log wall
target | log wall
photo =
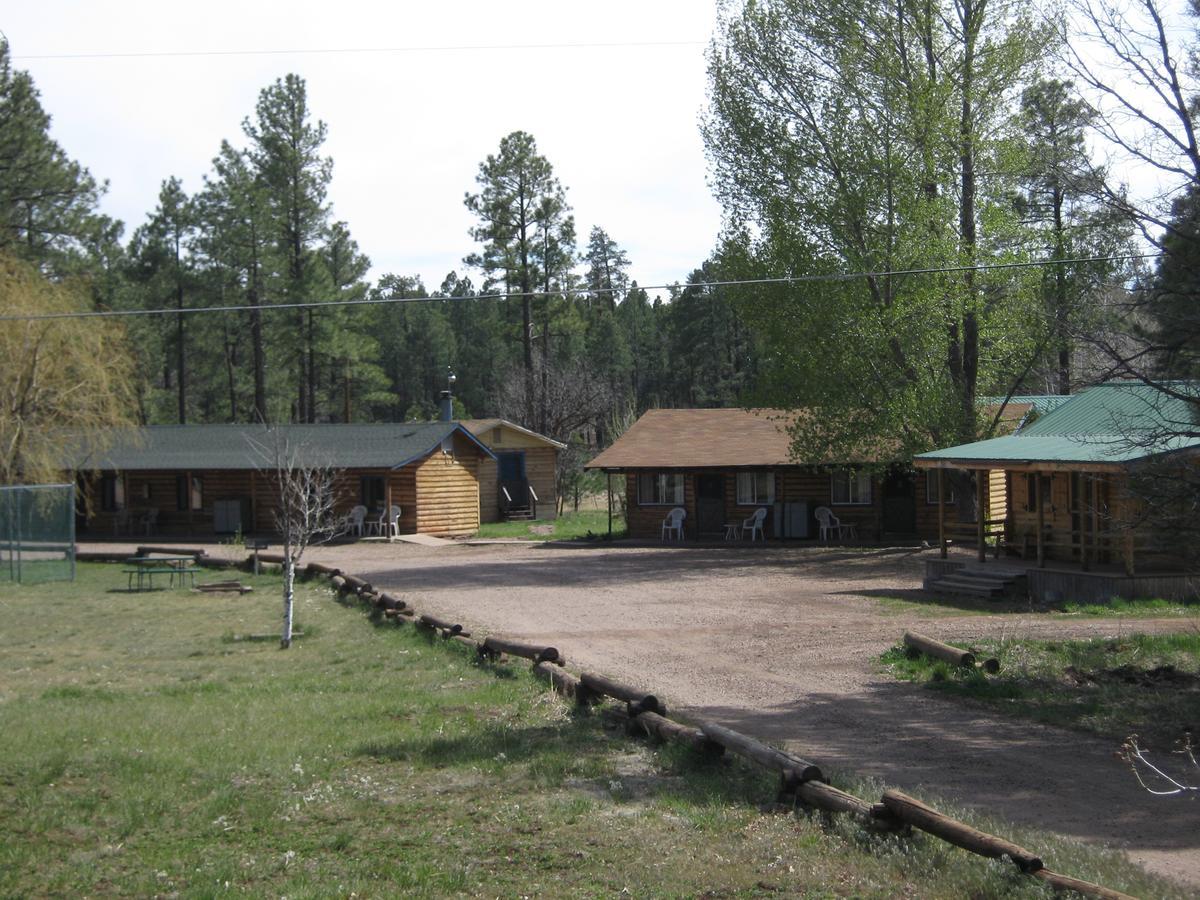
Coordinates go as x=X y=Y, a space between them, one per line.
x=540 y=462
x=447 y=490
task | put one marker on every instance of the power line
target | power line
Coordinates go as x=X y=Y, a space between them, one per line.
x=518 y=295
x=443 y=48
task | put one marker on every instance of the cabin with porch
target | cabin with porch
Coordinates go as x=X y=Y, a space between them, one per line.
x=199 y=480
x=520 y=483
x=720 y=465
x=1073 y=511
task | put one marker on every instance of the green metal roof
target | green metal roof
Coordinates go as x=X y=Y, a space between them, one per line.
x=199 y=447
x=1040 y=403
x=1113 y=423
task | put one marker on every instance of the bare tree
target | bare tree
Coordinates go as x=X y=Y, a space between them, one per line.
x=1154 y=778
x=305 y=507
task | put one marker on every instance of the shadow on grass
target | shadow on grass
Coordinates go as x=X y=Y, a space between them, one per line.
x=918 y=597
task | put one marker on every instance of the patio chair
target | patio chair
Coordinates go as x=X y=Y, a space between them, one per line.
x=754 y=523
x=673 y=524
x=830 y=524
x=122 y=522
x=390 y=522
x=149 y=520
x=354 y=520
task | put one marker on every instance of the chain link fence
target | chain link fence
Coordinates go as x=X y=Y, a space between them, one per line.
x=37 y=533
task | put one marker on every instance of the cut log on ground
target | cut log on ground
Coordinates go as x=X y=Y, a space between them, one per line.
x=314 y=568
x=399 y=613
x=447 y=629
x=273 y=558
x=356 y=585
x=914 y=812
x=223 y=587
x=1067 y=883
x=935 y=648
x=464 y=640
x=598 y=685
x=563 y=682
x=535 y=652
x=991 y=666
x=794 y=769
x=390 y=601
x=665 y=729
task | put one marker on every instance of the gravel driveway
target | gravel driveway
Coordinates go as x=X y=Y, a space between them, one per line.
x=779 y=642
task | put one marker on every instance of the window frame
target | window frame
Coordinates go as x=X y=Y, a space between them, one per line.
x=112 y=493
x=854 y=478
x=754 y=479
x=931 y=498
x=663 y=481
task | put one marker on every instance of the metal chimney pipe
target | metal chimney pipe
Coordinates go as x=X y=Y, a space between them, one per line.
x=447 y=399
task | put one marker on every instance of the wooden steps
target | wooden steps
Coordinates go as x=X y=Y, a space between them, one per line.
x=989 y=583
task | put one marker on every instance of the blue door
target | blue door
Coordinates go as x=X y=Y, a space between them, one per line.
x=512 y=466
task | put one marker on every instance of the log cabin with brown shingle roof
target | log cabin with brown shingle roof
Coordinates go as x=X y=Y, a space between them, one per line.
x=721 y=465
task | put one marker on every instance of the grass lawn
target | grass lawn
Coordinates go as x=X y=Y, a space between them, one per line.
x=569 y=526
x=1137 y=683
x=921 y=603
x=144 y=751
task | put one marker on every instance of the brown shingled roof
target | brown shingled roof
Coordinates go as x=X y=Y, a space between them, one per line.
x=696 y=438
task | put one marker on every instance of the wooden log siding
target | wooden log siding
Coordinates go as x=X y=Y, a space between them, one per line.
x=792 y=484
x=447 y=490
x=540 y=463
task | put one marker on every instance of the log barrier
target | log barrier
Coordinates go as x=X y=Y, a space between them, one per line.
x=535 y=652
x=597 y=685
x=800 y=778
x=794 y=770
x=914 y=812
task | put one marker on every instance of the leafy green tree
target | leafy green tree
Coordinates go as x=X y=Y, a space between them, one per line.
x=849 y=137
x=286 y=154
x=48 y=202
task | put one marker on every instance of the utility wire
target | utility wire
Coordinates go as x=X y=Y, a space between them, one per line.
x=445 y=48
x=517 y=295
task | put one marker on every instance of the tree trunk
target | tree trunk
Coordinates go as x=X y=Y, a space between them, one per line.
x=289 y=587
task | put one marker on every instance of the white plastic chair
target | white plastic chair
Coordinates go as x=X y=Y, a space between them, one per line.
x=754 y=523
x=673 y=524
x=830 y=524
x=355 y=519
x=391 y=521
x=150 y=520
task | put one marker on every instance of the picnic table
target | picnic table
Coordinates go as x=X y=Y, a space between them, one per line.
x=144 y=568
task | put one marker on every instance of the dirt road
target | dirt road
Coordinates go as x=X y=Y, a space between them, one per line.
x=779 y=642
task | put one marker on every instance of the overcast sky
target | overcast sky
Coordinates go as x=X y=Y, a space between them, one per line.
x=407 y=130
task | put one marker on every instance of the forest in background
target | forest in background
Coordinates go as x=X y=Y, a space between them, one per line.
x=909 y=190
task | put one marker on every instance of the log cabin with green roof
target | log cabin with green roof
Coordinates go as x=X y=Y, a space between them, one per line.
x=1072 y=504
x=204 y=480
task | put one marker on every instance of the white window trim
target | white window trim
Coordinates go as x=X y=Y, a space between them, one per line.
x=651 y=502
x=755 y=474
x=857 y=473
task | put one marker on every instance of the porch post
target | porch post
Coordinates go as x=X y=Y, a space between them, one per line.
x=981 y=510
x=1083 y=522
x=1041 y=520
x=609 y=477
x=1127 y=548
x=253 y=502
x=387 y=502
x=1095 y=499
x=941 y=510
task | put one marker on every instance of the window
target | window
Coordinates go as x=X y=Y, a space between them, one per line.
x=931 y=489
x=112 y=493
x=189 y=493
x=371 y=490
x=755 y=488
x=660 y=489
x=850 y=487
